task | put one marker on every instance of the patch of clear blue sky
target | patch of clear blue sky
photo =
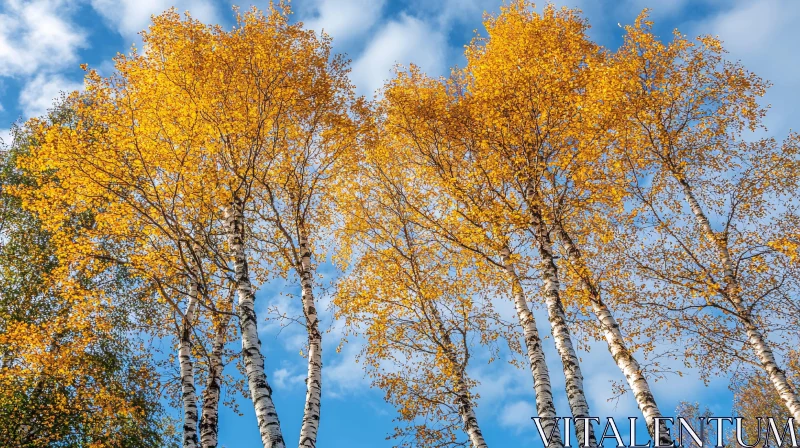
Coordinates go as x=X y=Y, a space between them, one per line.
x=359 y=417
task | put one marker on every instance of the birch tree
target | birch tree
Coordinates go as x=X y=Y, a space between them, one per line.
x=280 y=131
x=432 y=130
x=237 y=92
x=134 y=162
x=705 y=210
x=295 y=199
x=215 y=379
x=529 y=81
x=417 y=303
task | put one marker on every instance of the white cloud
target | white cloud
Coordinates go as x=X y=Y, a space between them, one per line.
x=400 y=42
x=279 y=377
x=283 y=378
x=498 y=381
x=37 y=35
x=39 y=92
x=344 y=19
x=344 y=377
x=129 y=17
x=517 y=415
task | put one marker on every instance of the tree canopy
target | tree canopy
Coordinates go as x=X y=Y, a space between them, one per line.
x=622 y=192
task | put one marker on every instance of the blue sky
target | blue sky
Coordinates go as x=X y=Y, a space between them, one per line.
x=42 y=43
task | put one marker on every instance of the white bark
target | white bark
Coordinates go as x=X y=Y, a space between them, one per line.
x=470 y=421
x=558 y=324
x=311 y=413
x=466 y=408
x=209 y=420
x=732 y=292
x=616 y=345
x=260 y=391
x=188 y=395
x=533 y=344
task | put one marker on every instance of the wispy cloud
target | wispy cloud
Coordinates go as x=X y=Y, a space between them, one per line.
x=343 y=20
x=517 y=415
x=129 y=17
x=343 y=374
x=400 y=41
x=38 y=94
x=285 y=378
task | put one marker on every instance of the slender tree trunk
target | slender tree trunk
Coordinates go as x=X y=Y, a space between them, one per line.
x=616 y=343
x=466 y=408
x=311 y=413
x=545 y=407
x=188 y=395
x=260 y=391
x=209 y=420
x=558 y=323
x=732 y=292
x=468 y=418
x=767 y=360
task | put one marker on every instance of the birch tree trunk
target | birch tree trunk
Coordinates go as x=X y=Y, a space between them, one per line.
x=311 y=413
x=209 y=420
x=545 y=406
x=260 y=391
x=558 y=324
x=732 y=292
x=616 y=343
x=466 y=408
x=468 y=417
x=188 y=394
